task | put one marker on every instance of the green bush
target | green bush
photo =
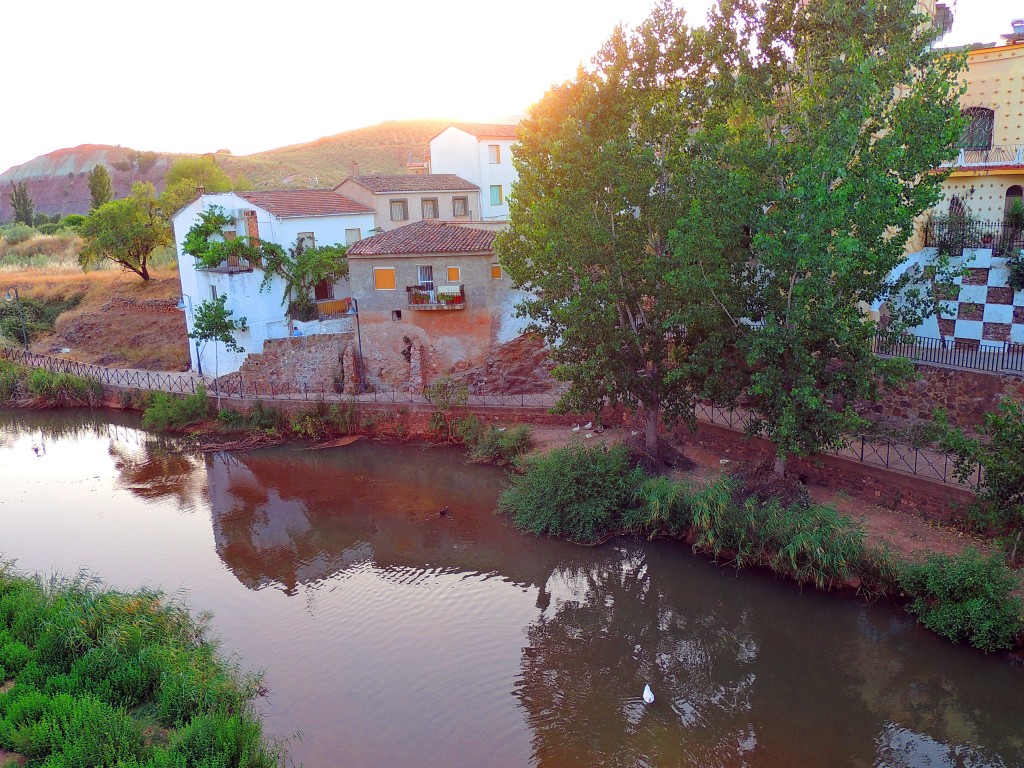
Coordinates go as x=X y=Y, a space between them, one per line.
x=89 y=662
x=169 y=412
x=576 y=491
x=966 y=599
x=500 y=445
x=18 y=233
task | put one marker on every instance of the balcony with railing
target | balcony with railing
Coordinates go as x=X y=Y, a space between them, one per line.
x=233 y=264
x=443 y=297
x=995 y=156
x=331 y=309
x=955 y=233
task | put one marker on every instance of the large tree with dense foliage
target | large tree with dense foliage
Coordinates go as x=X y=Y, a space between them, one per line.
x=22 y=203
x=591 y=221
x=100 y=188
x=837 y=116
x=125 y=232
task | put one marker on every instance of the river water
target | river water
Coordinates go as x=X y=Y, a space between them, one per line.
x=392 y=636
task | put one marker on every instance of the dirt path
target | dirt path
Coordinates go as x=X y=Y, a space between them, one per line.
x=909 y=536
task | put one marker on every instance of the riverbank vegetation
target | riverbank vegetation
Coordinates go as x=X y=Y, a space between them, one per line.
x=40 y=388
x=591 y=493
x=97 y=677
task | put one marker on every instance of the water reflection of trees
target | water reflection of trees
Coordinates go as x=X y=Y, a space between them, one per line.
x=748 y=672
x=621 y=624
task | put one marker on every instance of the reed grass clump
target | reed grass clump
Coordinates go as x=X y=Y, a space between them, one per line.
x=500 y=445
x=98 y=677
x=167 y=412
x=42 y=388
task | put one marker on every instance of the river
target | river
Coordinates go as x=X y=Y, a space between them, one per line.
x=393 y=636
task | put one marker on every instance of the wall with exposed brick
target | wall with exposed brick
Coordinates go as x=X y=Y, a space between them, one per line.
x=965 y=395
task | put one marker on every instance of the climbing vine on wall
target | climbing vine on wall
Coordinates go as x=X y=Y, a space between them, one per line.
x=301 y=266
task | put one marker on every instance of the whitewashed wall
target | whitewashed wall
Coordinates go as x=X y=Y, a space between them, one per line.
x=264 y=310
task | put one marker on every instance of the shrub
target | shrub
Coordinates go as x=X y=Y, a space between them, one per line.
x=63 y=388
x=501 y=445
x=966 y=599
x=18 y=233
x=661 y=508
x=169 y=412
x=576 y=491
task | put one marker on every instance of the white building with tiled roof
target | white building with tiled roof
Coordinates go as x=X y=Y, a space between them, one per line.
x=317 y=216
x=398 y=200
x=482 y=154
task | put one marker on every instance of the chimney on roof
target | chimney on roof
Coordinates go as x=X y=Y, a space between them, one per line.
x=1017 y=35
x=200 y=189
x=353 y=168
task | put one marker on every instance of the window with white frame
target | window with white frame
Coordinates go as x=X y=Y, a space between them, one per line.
x=425 y=277
x=494 y=154
x=399 y=210
x=353 y=235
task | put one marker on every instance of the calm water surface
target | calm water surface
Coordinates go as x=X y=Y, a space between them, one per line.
x=393 y=637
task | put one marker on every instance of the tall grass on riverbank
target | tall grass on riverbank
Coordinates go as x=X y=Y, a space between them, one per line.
x=95 y=677
x=590 y=493
x=40 y=388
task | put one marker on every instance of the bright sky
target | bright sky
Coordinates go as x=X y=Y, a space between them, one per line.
x=202 y=75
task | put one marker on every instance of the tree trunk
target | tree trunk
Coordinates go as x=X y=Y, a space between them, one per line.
x=145 y=271
x=780 y=466
x=651 y=432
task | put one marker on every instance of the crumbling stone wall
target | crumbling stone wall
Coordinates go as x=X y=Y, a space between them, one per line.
x=297 y=363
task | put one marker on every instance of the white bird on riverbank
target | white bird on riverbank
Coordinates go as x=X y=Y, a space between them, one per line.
x=588 y=425
x=576 y=428
x=648 y=694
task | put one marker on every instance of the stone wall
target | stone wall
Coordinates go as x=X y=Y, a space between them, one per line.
x=906 y=493
x=965 y=395
x=296 y=363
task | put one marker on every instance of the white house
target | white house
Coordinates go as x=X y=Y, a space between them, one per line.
x=320 y=217
x=482 y=154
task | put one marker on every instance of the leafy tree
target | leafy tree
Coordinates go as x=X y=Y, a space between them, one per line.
x=839 y=117
x=301 y=268
x=125 y=232
x=100 y=189
x=186 y=175
x=591 y=218
x=214 y=322
x=21 y=203
x=997 y=450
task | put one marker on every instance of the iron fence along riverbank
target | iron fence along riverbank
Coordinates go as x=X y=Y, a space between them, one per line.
x=884 y=453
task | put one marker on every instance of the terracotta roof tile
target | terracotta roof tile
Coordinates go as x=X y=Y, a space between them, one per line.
x=488 y=130
x=294 y=203
x=429 y=182
x=427 y=236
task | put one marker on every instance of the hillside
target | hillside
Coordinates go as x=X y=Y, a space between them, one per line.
x=57 y=181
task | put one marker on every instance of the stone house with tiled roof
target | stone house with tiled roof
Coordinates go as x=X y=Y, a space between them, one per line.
x=431 y=291
x=317 y=216
x=398 y=200
x=482 y=154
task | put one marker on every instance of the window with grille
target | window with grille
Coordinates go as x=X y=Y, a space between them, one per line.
x=425 y=277
x=978 y=133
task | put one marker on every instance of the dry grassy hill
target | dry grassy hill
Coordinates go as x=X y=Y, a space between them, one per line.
x=383 y=148
x=57 y=181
